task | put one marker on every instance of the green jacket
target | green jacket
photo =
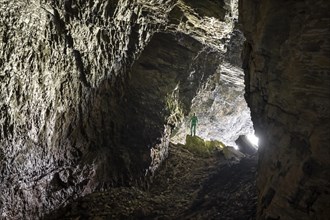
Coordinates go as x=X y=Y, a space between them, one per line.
x=194 y=120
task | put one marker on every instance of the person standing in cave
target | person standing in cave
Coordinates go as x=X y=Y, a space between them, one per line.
x=193 y=121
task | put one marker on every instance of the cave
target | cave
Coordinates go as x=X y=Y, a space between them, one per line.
x=97 y=96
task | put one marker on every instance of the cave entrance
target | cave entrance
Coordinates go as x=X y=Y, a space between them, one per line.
x=176 y=76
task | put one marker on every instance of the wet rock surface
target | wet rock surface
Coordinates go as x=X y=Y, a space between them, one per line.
x=186 y=186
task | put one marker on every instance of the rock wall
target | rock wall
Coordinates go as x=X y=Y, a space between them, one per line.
x=219 y=101
x=63 y=66
x=162 y=84
x=67 y=77
x=287 y=73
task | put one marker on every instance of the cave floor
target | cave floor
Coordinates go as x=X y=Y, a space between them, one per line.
x=186 y=186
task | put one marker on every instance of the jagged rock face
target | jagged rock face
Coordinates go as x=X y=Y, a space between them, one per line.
x=219 y=102
x=61 y=125
x=162 y=84
x=73 y=118
x=287 y=88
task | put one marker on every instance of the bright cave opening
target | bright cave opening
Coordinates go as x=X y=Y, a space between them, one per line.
x=175 y=77
x=253 y=139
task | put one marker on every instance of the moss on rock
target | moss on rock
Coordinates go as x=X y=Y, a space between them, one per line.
x=202 y=148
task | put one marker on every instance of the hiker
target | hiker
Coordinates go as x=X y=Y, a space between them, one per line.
x=194 y=121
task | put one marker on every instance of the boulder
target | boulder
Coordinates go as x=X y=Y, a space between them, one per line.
x=231 y=153
x=201 y=147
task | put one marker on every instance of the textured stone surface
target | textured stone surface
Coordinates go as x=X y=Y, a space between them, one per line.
x=70 y=123
x=161 y=86
x=77 y=112
x=287 y=88
x=219 y=102
x=61 y=101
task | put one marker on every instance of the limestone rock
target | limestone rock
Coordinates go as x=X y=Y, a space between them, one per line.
x=219 y=101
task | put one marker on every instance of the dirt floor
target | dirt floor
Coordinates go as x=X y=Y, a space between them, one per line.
x=187 y=186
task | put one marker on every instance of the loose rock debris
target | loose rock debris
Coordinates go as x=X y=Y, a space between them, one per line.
x=187 y=186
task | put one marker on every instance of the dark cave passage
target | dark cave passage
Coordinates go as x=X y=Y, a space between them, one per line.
x=173 y=76
x=155 y=100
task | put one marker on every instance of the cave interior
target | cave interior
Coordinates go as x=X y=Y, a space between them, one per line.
x=97 y=98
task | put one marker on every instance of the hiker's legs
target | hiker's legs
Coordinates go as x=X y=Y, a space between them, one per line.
x=193 y=129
